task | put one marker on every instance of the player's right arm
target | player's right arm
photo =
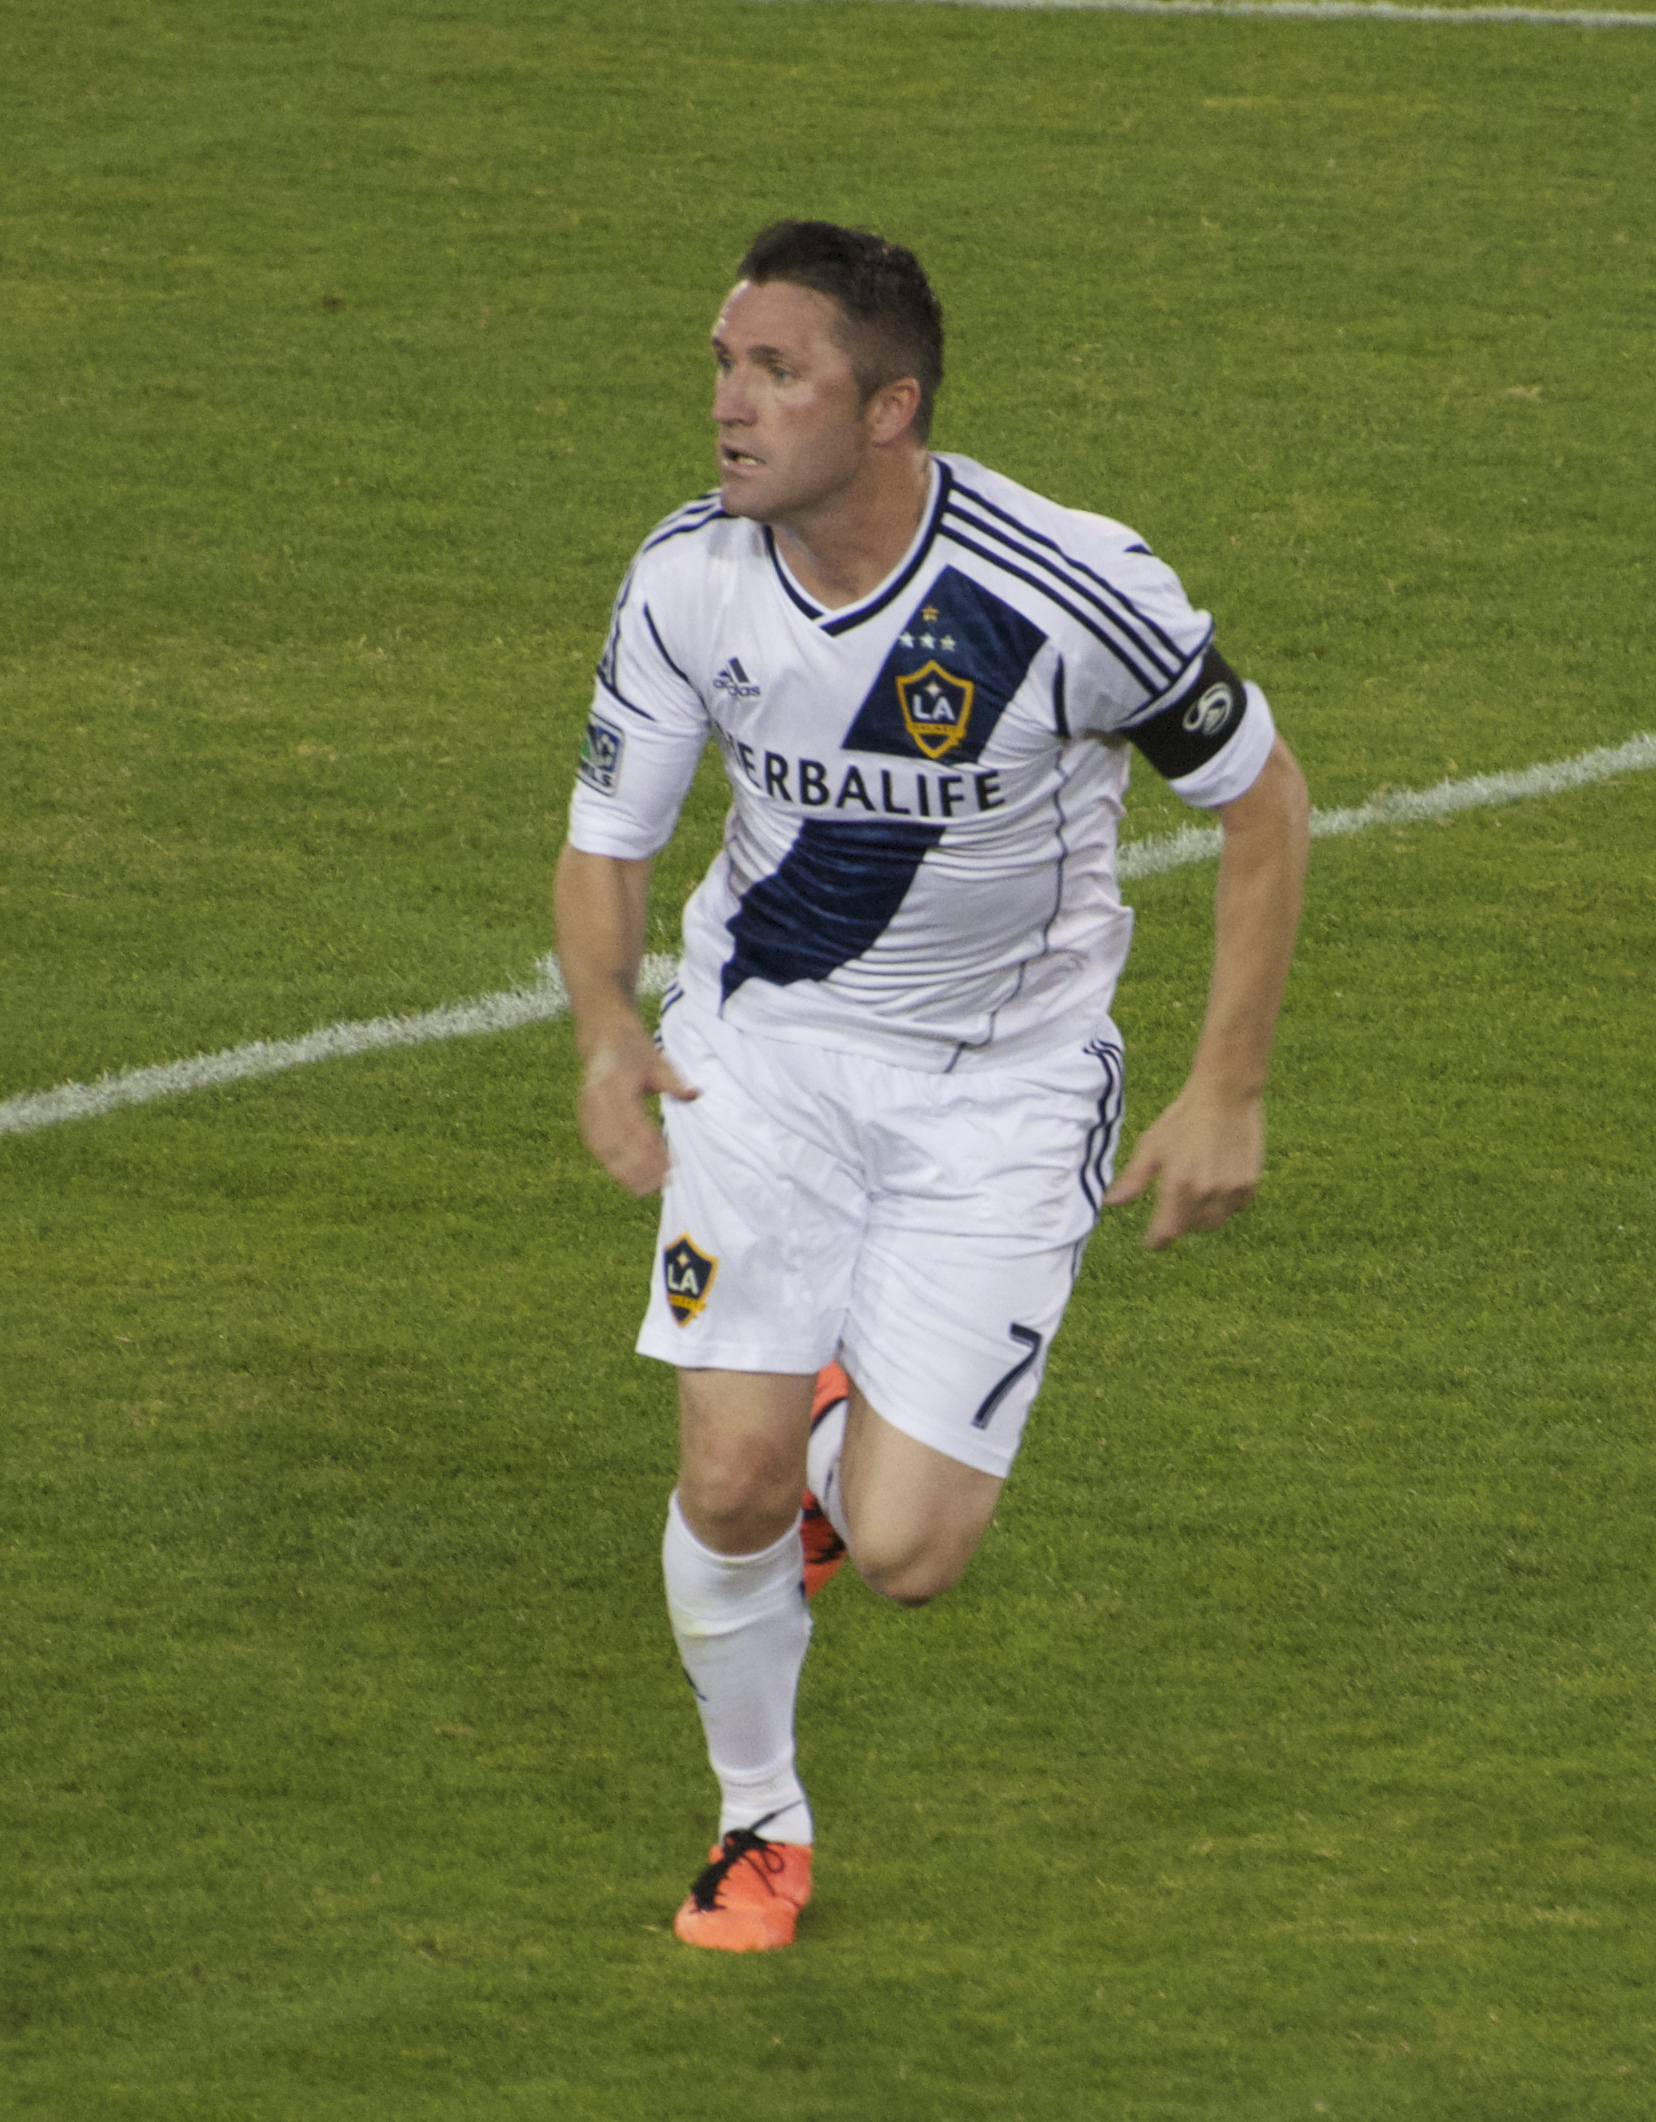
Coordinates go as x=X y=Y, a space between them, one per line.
x=600 y=909
x=1211 y=737
x=644 y=735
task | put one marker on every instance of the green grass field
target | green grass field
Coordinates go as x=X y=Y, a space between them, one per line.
x=1288 y=1751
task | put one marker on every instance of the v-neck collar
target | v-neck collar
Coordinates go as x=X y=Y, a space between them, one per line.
x=850 y=615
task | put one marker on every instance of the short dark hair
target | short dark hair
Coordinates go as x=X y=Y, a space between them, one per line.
x=895 y=321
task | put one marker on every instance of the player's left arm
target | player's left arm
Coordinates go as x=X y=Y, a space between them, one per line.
x=1206 y=1152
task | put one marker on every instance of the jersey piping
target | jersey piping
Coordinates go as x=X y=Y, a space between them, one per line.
x=655 y=636
x=1074 y=567
x=1148 y=666
x=694 y=516
x=1046 y=933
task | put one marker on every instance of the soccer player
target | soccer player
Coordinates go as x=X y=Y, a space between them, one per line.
x=891 y=1087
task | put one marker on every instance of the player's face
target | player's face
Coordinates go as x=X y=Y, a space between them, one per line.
x=790 y=417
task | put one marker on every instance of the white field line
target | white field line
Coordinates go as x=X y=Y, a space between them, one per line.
x=30 y=1110
x=1406 y=806
x=1327 y=11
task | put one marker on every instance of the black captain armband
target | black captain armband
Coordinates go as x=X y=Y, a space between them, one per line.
x=1196 y=726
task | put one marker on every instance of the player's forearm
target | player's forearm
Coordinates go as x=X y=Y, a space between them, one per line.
x=600 y=904
x=1257 y=909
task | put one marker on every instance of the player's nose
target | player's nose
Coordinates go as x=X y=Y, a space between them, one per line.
x=732 y=402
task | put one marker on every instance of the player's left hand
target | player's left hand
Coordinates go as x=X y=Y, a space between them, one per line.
x=1204 y=1156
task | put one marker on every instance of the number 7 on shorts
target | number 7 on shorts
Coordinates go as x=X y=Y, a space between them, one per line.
x=1030 y=1340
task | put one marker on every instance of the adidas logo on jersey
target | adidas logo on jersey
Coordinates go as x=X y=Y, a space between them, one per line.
x=734 y=681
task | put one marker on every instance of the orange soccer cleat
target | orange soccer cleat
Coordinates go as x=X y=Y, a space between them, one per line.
x=823 y=1547
x=748 y=1899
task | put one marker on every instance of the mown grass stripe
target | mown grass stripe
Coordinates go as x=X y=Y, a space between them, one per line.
x=1325 y=11
x=547 y=998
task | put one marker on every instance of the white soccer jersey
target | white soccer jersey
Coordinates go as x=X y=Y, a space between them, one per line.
x=919 y=859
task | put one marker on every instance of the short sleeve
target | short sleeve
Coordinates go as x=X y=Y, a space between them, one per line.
x=1159 y=681
x=1142 y=640
x=645 y=731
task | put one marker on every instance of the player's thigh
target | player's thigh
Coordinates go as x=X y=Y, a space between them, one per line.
x=958 y=1294
x=760 y=1220
x=950 y=1344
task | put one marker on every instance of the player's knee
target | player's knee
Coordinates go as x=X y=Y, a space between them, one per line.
x=739 y=1498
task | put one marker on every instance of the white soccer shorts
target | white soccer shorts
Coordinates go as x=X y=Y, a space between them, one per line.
x=926 y=1229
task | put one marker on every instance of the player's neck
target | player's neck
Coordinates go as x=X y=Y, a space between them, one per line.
x=844 y=549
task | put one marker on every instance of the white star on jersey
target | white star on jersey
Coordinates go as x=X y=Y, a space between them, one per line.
x=919 y=861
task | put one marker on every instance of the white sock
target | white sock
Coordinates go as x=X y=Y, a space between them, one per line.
x=742 y=1628
x=822 y=1467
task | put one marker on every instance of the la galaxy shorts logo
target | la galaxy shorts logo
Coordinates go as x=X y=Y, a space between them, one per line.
x=601 y=747
x=936 y=707
x=689 y=1276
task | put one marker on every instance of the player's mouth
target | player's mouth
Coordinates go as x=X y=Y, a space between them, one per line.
x=737 y=459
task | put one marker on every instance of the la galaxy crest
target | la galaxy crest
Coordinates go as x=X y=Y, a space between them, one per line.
x=688 y=1273
x=936 y=708
x=924 y=703
x=935 y=705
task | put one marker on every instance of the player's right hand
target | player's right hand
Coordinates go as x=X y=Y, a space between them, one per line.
x=621 y=1072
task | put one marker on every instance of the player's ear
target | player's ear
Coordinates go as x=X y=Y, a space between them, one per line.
x=891 y=410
